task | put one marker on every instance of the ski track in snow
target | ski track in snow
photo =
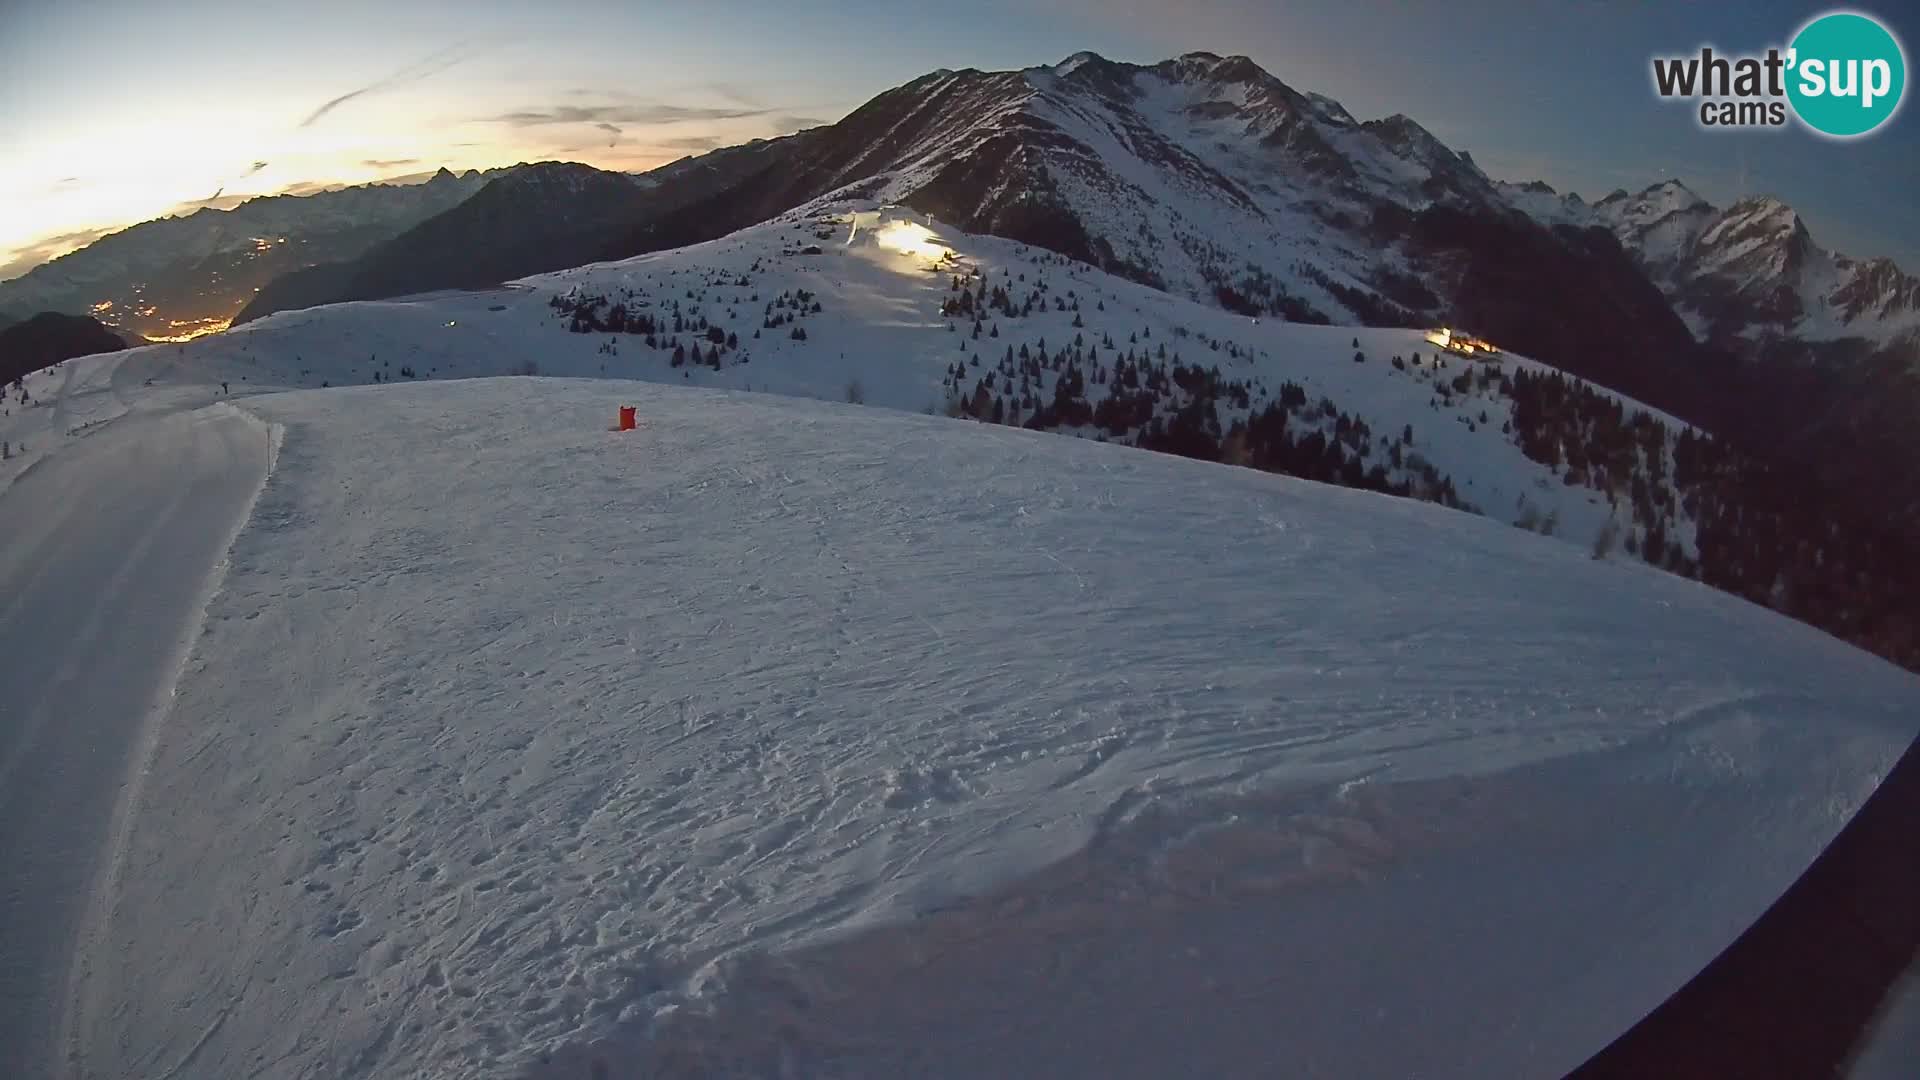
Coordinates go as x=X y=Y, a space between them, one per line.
x=779 y=735
x=98 y=595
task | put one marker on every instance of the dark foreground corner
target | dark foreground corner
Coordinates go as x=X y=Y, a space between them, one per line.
x=1797 y=994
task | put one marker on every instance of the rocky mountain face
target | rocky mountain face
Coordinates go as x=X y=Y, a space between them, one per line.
x=1747 y=277
x=175 y=276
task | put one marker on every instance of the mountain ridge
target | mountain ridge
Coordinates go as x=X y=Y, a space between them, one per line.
x=181 y=274
x=1201 y=175
x=1748 y=274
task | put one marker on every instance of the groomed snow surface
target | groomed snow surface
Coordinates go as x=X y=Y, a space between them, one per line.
x=99 y=595
x=786 y=737
x=780 y=737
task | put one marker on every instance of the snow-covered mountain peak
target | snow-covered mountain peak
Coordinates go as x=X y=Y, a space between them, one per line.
x=1758 y=240
x=1220 y=69
x=1758 y=212
x=1237 y=80
x=1075 y=62
x=1540 y=201
x=1405 y=136
x=1748 y=273
x=1674 y=190
x=1654 y=204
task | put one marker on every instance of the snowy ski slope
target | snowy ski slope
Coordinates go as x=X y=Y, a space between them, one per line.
x=792 y=735
x=880 y=326
x=782 y=736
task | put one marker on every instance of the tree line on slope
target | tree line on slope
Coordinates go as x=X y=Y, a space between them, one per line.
x=1142 y=395
x=1756 y=530
x=680 y=330
x=1761 y=531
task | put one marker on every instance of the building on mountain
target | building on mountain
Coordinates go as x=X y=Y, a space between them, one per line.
x=1464 y=344
x=899 y=229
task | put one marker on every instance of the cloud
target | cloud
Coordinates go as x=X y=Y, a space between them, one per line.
x=412 y=73
x=691 y=144
x=257 y=166
x=733 y=93
x=791 y=122
x=47 y=248
x=613 y=132
x=623 y=114
x=389 y=163
x=727 y=91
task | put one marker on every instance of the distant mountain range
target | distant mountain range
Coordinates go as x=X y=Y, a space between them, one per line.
x=1747 y=275
x=178 y=276
x=527 y=219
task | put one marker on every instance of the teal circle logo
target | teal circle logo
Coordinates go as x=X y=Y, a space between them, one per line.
x=1846 y=75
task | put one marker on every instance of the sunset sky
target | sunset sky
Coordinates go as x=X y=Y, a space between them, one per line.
x=117 y=111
